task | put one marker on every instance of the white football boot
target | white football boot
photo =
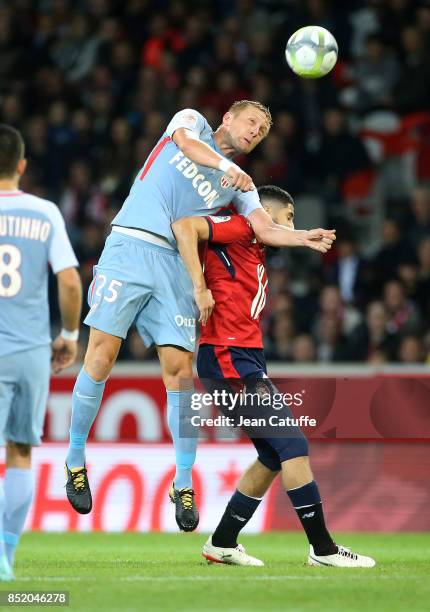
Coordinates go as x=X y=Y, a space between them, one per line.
x=229 y=556
x=343 y=558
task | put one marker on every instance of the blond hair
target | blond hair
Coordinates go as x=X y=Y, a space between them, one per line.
x=239 y=105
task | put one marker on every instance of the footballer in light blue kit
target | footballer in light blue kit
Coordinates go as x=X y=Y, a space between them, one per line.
x=32 y=235
x=140 y=277
x=168 y=187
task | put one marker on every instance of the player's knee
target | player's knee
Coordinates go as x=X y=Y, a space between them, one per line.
x=99 y=362
x=98 y=367
x=267 y=455
x=270 y=462
x=101 y=354
x=294 y=447
x=178 y=369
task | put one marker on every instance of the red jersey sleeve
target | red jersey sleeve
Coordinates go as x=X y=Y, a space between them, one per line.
x=229 y=229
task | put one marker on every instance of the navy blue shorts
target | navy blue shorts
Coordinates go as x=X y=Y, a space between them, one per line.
x=229 y=362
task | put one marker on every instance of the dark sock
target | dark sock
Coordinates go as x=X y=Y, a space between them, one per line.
x=239 y=511
x=307 y=503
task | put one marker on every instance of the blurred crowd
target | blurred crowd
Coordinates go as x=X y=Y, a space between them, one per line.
x=93 y=83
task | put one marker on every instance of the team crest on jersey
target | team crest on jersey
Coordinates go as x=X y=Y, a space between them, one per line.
x=225 y=182
x=190 y=120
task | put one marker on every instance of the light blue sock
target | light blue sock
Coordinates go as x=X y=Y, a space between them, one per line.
x=178 y=411
x=18 y=493
x=2 y=538
x=86 y=400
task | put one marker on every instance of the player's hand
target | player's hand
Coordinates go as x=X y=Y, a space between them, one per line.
x=63 y=353
x=320 y=240
x=239 y=180
x=205 y=304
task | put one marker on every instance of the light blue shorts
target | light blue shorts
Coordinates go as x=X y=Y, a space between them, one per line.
x=24 y=386
x=146 y=284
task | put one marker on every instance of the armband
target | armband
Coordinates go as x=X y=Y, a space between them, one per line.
x=225 y=164
x=70 y=335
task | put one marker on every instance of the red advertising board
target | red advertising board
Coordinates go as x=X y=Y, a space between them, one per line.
x=365 y=486
x=366 y=407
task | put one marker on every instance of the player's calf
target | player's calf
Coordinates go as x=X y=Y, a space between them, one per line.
x=6 y=573
x=86 y=399
x=185 y=441
x=304 y=494
x=18 y=487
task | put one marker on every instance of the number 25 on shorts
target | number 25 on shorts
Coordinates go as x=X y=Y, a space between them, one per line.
x=98 y=286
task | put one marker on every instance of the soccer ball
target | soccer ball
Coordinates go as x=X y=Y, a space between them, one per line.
x=311 y=52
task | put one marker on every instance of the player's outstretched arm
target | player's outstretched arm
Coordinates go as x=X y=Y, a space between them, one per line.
x=201 y=153
x=188 y=232
x=65 y=345
x=272 y=234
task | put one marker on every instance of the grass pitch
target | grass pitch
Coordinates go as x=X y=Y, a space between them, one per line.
x=165 y=572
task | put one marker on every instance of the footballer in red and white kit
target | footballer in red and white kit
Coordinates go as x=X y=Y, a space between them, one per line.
x=231 y=348
x=231 y=342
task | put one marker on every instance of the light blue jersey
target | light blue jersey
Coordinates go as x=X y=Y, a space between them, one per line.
x=170 y=186
x=32 y=234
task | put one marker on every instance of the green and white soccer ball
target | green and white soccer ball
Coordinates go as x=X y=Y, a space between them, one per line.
x=311 y=52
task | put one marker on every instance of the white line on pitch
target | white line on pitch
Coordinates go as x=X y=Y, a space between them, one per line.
x=140 y=578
